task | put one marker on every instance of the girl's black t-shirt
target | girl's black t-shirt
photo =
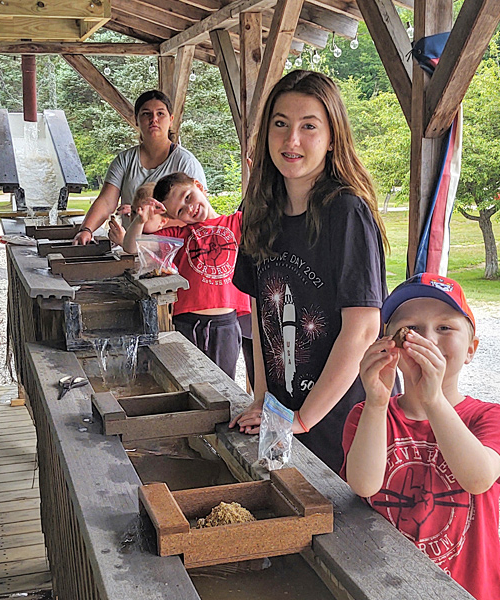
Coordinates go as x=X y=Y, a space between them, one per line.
x=300 y=293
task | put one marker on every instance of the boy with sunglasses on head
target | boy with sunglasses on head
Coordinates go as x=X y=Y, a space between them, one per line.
x=428 y=460
x=206 y=313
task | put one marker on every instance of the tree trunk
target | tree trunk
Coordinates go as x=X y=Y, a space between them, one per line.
x=491 y=255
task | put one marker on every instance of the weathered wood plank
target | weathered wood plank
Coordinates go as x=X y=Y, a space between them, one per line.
x=20 y=540
x=154 y=14
x=183 y=66
x=102 y=86
x=60 y=9
x=22 y=553
x=104 y=489
x=19 y=516
x=38 y=564
x=250 y=62
x=85 y=48
x=393 y=45
x=225 y=57
x=462 y=54
x=21 y=485
x=26 y=583
x=17 y=529
x=140 y=25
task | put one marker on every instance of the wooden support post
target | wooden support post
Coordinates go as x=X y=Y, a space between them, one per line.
x=250 y=61
x=183 y=65
x=101 y=85
x=166 y=69
x=393 y=45
x=431 y=16
x=286 y=15
x=464 y=50
x=230 y=72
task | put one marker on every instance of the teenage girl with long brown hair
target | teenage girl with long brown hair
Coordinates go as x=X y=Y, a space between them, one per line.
x=312 y=258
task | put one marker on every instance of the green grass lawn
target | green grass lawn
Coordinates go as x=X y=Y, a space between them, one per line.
x=466 y=261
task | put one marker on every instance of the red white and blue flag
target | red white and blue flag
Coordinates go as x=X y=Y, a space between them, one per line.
x=434 y=245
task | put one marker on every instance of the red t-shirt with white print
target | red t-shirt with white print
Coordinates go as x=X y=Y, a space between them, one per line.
x=420 y=496
x=207 y=261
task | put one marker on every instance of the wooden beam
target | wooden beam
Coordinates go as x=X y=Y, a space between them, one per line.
x=286 y=15
x=39 y=29
x=61 y=9
x=183 y=65
x=179 y=9
x=431 y=16
x=230 y=72
x=141 y=25
x=222 y=19
x=166 y=70
x=250 y=63
x=331 y=21
x=102 y=86
x=393 y=45
x=133 y=33
x=153 y=14
x=342 y=7
x=86 y=48
x=462 y=54
x=304 y=32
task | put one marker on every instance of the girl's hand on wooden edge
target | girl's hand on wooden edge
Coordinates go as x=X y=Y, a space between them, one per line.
x=249 y=420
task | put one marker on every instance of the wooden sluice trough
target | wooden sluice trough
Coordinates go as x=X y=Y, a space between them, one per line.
x=98 y=544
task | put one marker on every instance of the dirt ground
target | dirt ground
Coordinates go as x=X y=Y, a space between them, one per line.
x=480 y=379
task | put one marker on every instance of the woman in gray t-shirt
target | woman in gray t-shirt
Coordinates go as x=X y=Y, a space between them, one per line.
x=154 y=157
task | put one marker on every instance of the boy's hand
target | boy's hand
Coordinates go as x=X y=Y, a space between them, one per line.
x=124 y=209
x=148 y=208
x=378 y=371
x=424 y=366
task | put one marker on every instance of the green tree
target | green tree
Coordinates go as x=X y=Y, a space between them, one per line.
x=479 y=186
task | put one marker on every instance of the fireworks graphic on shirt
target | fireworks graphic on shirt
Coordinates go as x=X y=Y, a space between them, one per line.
x=288 y=339
x=313 y=323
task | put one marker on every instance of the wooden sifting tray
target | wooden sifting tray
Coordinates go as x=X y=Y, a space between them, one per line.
x=289 y=511
x=90 y=268
x=97 y=247
x=162 y=415
x=52 y=232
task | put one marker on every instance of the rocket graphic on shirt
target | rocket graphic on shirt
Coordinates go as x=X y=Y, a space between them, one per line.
x=289 y=329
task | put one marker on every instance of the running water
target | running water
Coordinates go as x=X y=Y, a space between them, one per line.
x=36 y=172
x=117 y=358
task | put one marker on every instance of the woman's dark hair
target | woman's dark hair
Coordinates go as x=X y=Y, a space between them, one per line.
x=152 y=95
x=265 y=199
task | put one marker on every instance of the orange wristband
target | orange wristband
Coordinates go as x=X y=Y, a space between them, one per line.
x=301 y=422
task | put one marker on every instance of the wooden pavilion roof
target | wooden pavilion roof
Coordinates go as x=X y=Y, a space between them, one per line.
x=162 y=25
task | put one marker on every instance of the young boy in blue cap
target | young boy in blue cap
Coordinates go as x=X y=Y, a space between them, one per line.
x=428 y=460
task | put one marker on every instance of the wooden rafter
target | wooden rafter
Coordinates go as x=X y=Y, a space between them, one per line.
x=152 y=14
x=330 y=21
x=230 y=73
x=304 y=32
x=250 y=63
x=132 y=33
x=182 y=70
x=343 y=7
x=222 y=19
x=286 y=15
x=141 y=25
x=463 y=52
x=178 y=8
x=102 y=86
x=86 y=48
x=393 y=46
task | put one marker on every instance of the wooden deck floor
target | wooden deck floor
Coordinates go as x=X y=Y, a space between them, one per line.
x=23 y=565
